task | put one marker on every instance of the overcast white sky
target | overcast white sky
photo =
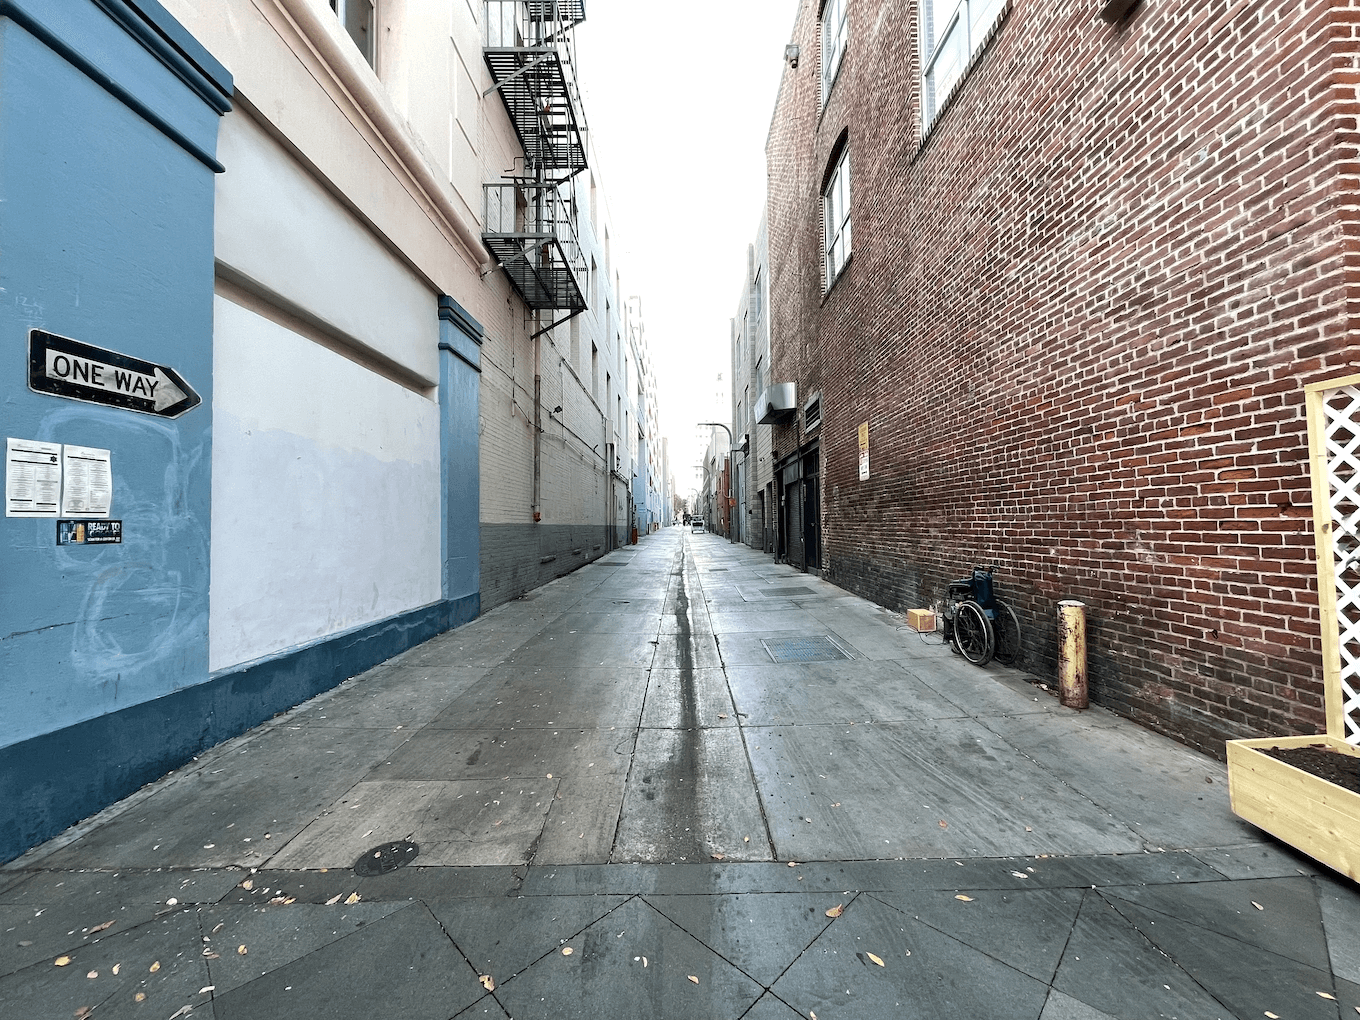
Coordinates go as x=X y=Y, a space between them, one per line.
x=679 y=103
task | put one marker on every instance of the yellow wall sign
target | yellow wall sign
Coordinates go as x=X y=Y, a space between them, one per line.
x=864 y=451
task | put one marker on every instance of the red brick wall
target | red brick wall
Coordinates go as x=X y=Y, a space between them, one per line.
x=1079 y=318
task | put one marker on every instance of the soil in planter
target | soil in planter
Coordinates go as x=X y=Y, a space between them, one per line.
x=1321 y=761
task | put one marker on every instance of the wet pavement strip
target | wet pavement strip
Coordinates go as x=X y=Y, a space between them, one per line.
x=626 y=807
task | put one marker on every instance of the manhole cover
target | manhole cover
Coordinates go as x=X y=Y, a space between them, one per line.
x=388 y=857
x=817 y=648
x=775 y=593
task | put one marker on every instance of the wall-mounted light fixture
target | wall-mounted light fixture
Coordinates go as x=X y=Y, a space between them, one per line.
x=791 y=53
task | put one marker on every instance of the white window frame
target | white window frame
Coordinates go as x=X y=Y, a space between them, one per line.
x=345 y=11
x=945 y=60
x=835 y=29
x=836 y=218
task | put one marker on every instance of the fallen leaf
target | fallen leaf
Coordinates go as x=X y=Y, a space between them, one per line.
x=102 y=927
x=1273 y=1016
x=567 y=950
x=171 y=902
x=549 y=775
x=718 y=857
x=92 y=974
x=812 y=1015
x=1019 y=874
x=1327 y=995
x=644 y=963
x=943 y=824
x=488 y=982
x=139 y=997
x=334 y=899
x=83 y=1012
x=908 y=952
x=836 y=911
x=722 y=715
x=116 y=968
x=241 y=950
x=182 y=1011
x=746 y=838
x=793 y=864
x=248 y=884
x=876 y=959
x=966 y=899
x=206 y=989
x=155 y=966
x=351 y=899
x=692 y=978
x=837 y=804
x=1028 y=829
x=1257 y=905
x=62 y=961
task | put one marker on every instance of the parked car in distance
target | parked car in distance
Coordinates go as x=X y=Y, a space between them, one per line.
x=696 y=524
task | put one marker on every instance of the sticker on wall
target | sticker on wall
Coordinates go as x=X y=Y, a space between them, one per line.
x=63 y=367
x=87 y=481
x=89 y=532
x=32 y=478
x=864 y=451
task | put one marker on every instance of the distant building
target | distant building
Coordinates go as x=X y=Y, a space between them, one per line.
x=1045 y=290
x=753 y=475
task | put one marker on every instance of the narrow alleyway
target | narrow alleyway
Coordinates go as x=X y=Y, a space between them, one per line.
x=682 y=781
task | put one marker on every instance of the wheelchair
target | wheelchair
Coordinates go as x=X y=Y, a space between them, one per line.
x=977 y=624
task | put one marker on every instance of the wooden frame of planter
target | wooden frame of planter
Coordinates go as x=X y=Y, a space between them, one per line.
x=1309 y=813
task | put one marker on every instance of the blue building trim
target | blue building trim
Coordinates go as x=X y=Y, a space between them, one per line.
x=50 y=782
x=44 y=22
x=460 y=357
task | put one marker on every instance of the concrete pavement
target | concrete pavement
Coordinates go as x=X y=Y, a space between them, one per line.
x=729 y=789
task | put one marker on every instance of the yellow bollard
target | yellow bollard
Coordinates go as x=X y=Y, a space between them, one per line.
x=1072 y=654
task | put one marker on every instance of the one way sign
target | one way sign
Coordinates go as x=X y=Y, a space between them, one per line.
x=68 y=368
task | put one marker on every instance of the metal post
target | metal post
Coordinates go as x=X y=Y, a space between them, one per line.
x=1072 y=687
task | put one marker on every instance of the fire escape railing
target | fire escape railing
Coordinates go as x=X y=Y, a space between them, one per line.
x=529 y=227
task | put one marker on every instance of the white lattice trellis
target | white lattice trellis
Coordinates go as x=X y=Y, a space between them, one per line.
x=1334 y=439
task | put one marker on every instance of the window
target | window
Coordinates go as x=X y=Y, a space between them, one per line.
x=812 y=414
x=357 y=17
x=951 y=32
x=757 y=300
x=835 y=23
x=836 y=218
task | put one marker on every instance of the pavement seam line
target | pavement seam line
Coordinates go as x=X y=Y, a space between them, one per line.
x=741 y=729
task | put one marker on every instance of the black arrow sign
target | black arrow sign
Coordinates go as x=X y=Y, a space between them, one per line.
x=68 y=368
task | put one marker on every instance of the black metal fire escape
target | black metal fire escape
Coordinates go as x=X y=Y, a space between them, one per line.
x=529 y=217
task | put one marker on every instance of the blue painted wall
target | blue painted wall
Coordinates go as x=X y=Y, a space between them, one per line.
x=460 y=359
x=108 y=127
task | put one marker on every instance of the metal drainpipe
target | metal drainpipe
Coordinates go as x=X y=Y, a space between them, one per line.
x=538 y=415
x=1072 y=686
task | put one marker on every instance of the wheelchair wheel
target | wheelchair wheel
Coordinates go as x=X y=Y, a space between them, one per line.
x=1006 y=627
x=973 y=634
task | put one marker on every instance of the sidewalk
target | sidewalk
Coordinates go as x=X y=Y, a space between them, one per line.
x=682 y=782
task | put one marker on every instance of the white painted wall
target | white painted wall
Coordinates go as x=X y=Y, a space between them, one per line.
x=278 y=227
x=325 y=483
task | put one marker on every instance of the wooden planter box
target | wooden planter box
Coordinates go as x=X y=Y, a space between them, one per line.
x=1308 y=813
x=1311 y=814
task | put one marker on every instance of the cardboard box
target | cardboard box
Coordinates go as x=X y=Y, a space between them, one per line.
x=921 y=620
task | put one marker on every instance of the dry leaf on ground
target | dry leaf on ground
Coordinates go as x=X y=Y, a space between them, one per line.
x=61 y=961
x=102 y=927
x=943 y=824
x=836 y=911
x=1257 y=905
x=793 y=864
x=718 y=857
x=241 y=950
x=334 y=899
x=692 y=978
x=248 y=884
x=1327 y=995
x=155 y=967
x=92 y=974
x=116 y=968
x=966 y=899
x=488 y=982
x=567 y=950
x=351 y=899
x=876 y=959
x=1273 y=1016
x=139 y=997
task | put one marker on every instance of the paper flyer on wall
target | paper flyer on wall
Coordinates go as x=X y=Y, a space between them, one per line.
x=32 y=478
x=87 y=482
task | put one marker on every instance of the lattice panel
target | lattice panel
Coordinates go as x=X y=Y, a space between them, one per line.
x=1341 y=425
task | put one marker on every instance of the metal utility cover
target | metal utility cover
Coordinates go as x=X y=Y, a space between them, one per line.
x=817 y=648
x=775 y=593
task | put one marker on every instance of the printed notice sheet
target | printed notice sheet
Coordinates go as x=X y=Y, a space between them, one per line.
x=87 y=482
x=32 y=478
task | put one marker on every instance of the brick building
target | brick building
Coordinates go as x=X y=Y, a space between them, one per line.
x=1073 y=275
